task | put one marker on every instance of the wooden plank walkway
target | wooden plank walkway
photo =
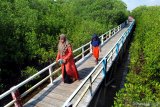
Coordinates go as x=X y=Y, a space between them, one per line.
x=55 y=95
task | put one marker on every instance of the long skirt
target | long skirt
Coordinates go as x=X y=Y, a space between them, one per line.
x=66 y=77
x=69 y=71
x=96 y=52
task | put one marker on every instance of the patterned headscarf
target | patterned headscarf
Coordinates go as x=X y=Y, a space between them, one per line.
x=62 y=47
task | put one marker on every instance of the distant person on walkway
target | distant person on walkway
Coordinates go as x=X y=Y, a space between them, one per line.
x=65 y=58
x=130 y=19
x=95 y=42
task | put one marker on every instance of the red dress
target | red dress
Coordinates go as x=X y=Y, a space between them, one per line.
x=70 y=66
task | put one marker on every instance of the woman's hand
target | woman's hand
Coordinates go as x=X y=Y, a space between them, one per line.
x=57 y=61
x=61 y=61
x=64 y=61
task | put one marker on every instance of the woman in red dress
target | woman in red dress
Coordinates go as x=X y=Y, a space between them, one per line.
x=65 y=58
x=95 y=42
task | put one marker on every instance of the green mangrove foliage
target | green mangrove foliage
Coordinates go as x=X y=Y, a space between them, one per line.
x=143 y=81
x=29 y=31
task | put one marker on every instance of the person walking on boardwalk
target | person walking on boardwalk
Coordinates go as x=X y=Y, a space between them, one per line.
x=95 y=42
x=65 y=58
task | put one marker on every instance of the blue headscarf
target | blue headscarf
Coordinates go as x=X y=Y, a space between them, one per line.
x=95 y=40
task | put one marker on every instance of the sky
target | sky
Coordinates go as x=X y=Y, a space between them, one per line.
x=131 y=4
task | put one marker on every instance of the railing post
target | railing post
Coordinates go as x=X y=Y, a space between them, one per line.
x=107 y=35
x=102 y=39
x=114 y=30
x=16 y=96
x=129 y=29
x=90 y=85
x=127 y=32
x=122 y=25
x=122 y=39
x=90 y=48
x=110 y=33
x=117 y=48
x=127 y=22
x=82 y=51
x=104 y=64
x=51 y=79
x=111 y=55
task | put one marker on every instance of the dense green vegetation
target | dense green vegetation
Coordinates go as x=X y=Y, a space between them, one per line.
x=29 y=31
x=143 y=81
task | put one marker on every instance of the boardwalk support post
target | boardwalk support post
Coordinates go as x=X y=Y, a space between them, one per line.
x=16 y=96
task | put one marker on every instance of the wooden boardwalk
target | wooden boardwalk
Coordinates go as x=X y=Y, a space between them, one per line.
x=55 y=95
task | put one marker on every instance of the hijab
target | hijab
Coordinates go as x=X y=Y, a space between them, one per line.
x=95 y=40
x=62 y=47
